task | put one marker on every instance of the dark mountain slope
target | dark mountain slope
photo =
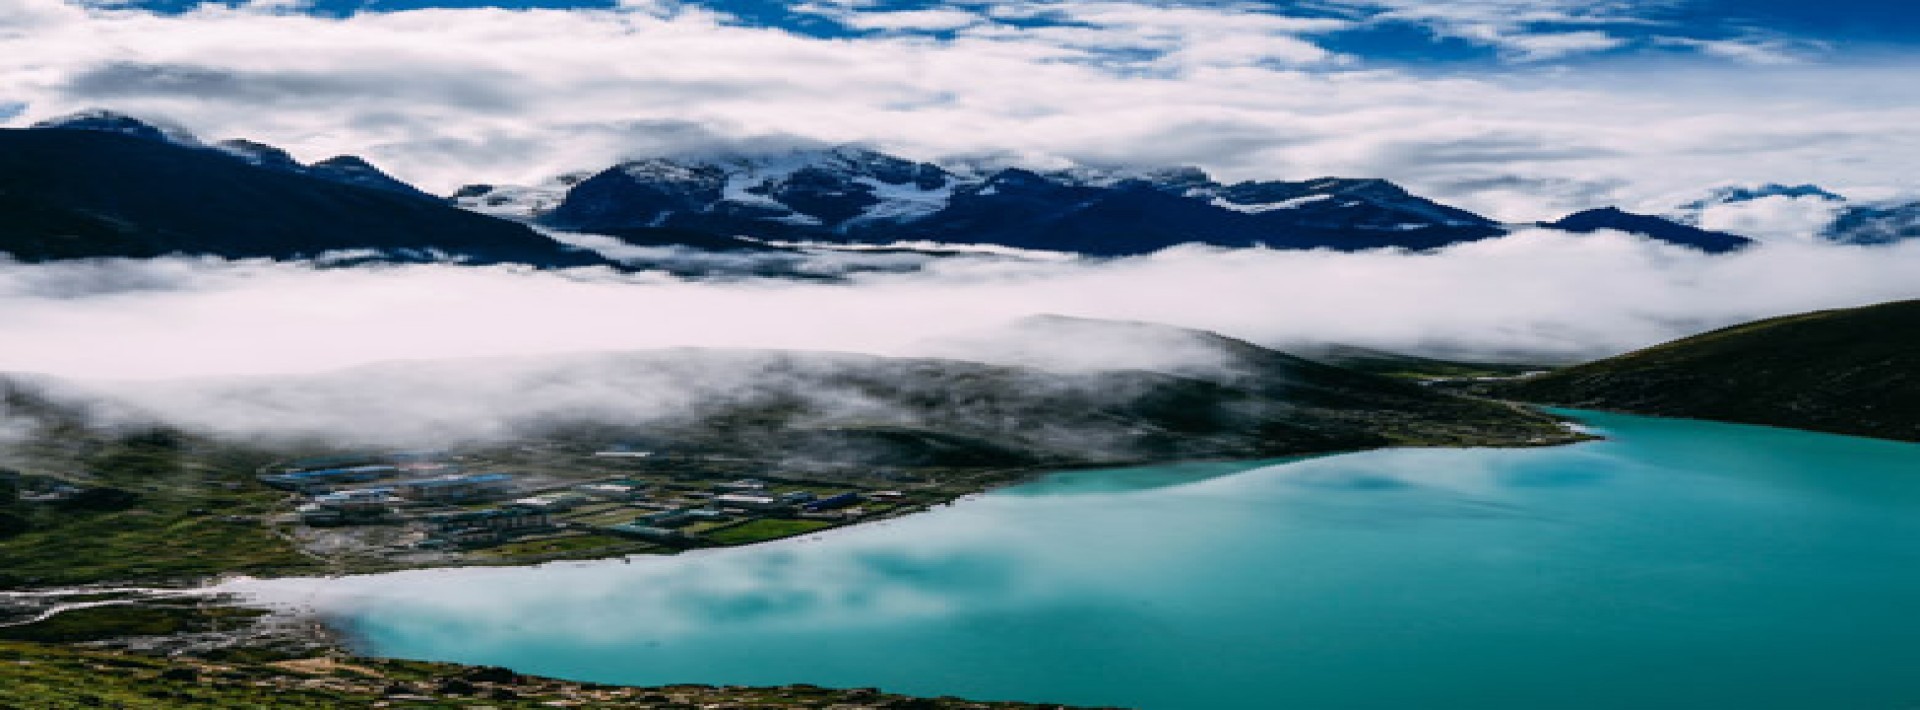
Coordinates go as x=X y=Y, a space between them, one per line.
x=88 y=193
x=1656 y=227
x=1231 y=399
x=1875 y=225
x=1853 y=371
x=1401 y=365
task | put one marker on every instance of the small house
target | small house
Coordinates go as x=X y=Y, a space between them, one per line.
x=612 y=490
x=834 y=502
x=552 y=502
x=748 y=502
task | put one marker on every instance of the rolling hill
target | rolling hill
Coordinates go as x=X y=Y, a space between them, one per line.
x=1851 y=371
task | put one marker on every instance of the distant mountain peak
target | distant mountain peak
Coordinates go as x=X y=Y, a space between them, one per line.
x=354 y=170
x=87 y=193
x=107 y=121
x=1737 y=194
x=259 y=154
x=1869 y=225
x=1729 y=194
x=1659 y=228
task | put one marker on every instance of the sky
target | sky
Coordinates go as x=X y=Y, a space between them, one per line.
x=1520 y=109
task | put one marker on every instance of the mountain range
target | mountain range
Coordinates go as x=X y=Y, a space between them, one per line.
x=100 y=184
x=856 y=195
x=108 y=186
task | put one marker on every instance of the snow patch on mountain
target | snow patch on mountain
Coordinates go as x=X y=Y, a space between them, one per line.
x=1288 y=204
x=902 y=203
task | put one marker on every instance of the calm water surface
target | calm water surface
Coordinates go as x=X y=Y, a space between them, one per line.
x=1677 y=565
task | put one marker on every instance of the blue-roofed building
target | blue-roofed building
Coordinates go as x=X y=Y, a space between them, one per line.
x=359 y=506
x=834 y=502
x=324 y=479
x=457 y=488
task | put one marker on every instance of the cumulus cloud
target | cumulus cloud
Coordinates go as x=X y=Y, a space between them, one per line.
x=446 y=97
x=1527 y=30
x=1554 y=45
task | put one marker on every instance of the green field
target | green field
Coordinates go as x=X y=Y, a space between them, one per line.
x=160 y=508
x=764 y=529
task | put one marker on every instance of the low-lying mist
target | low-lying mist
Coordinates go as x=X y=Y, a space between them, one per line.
x=1539 y=294
x=410 y=354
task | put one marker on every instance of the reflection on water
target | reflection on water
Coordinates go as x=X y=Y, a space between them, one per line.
x=1678 y=565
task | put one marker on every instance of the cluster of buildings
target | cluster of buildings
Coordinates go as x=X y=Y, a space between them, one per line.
x=747 y=498
x=336 y=498
x=438 y=498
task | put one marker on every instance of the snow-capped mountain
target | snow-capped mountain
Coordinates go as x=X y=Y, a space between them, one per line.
x=825 y=191
x=520 y=202
x=852 y=194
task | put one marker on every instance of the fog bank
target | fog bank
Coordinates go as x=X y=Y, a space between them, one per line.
x=1538 y=294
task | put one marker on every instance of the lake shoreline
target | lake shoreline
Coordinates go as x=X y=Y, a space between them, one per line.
x=1570 y=543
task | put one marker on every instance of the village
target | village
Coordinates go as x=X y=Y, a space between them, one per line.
x=536 y=503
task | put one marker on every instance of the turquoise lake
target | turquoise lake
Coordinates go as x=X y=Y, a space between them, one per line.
x=1677 y=564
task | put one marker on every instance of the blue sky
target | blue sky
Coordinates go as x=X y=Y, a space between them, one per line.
x=1440 y=32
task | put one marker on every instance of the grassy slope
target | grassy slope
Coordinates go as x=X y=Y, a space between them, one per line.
x=1852 y=371
x=191 y=508
x=57 y=678
x=1391 y=364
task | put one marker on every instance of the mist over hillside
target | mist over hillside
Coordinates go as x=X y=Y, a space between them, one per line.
x=1535 y=296
x=1217 y=398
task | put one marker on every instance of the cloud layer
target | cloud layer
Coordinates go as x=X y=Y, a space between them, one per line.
x=448 y=96
x=1540 y=293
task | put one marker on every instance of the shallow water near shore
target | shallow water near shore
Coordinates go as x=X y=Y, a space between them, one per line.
x=1678 y=564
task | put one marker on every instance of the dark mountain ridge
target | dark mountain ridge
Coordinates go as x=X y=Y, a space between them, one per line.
x=126 y=190
x=78 y=193
x=1616 y=219
x=855 y=195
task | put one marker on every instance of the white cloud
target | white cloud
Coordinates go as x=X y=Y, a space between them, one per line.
x=1554 y=45
x=918 y=20
x=1748 y=50
x=446 y=97
x=1538 y=292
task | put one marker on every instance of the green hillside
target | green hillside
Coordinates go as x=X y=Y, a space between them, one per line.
x=1852 y=371
x=56 y=678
